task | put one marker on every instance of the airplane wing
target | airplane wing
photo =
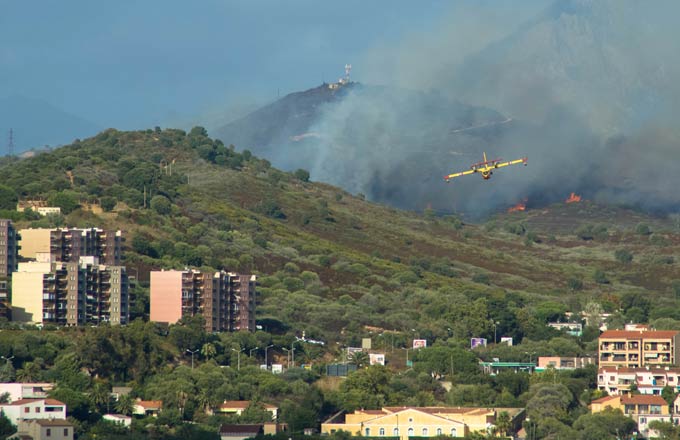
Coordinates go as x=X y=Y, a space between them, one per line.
x=464 y=173
x=511 y=162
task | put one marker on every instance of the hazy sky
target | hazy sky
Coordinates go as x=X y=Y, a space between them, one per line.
x=135 y=64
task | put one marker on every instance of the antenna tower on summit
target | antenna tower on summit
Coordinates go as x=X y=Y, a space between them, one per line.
x=10 y=143
x=348 y=68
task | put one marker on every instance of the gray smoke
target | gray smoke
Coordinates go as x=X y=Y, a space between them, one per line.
x=590 y=85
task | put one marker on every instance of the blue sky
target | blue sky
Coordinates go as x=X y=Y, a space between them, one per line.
x=135 y=64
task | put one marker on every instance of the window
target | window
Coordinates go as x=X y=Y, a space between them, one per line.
x=27 y=410
x=410 y=420
x=453 y=432
x=368 y=432
x=410 y=432
x=37 y=409
x=439 y=431
x=643 y=420
x=65 y=432
x=395 y=432
x=49 y=432
x=425 y=432
x=382 y=431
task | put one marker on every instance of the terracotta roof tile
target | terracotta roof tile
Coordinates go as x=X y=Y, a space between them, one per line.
x=636 y=334
x=643 y=399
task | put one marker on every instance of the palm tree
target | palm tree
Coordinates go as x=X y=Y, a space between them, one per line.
x=360 y=358
x=503 y=423
x=30 y=373
x=206 y=400
x=208 y=350
x=124 y=404
x=100 y=395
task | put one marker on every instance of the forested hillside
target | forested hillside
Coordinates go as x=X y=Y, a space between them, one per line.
x=335 y=266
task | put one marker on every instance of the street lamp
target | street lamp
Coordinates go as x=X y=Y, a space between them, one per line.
x=495 y=323
x=7 y=358
x=192 y=356
x=265 y=355
x=238 y=357
x=250 y=354
x=530 y=354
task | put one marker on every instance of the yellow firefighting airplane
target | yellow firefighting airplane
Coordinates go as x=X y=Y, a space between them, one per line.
x=486 y=167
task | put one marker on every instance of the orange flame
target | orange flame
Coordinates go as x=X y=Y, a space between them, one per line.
x=573 y=198
x=521 y=206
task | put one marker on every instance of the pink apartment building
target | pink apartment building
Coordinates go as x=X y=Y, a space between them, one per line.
x=226 y=300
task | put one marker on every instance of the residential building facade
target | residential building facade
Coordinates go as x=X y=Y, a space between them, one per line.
x=33 y=409
x=147 y=407
x=643 y=409
x=405 y=422
x=18 y=391
x=45 y=429
x=70 y=294
x=236 y=407
x=648 y=380
x=226 y=300
x=69 y=244
x=563 y=363
x=9 y=255
x=638 y=348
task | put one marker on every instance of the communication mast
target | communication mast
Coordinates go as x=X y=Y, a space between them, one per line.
x=10 y=143
x=348 y=68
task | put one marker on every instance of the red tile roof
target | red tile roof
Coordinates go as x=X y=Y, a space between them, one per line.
x=651 y=369
x=604 y=399
x=636 y=334
x=27 y=401
x=643 y=399
x=150 y=404
x=53 y=402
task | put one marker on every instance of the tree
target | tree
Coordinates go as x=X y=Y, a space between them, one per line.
x=666 y=430
x=29 y=373
x=100 y=396
x=643 y=229
x=302 y=175
x=8 y=198
x=198 y=131
x=600 y=277
x=359 y=358
x=108 y=203
x=503 y=423
x=607 y=424
x=124 y=404
x=68 y=201
x=6 y=427
x=575 y=284
x=7 y=373
x=208 y=350
x=668 y=393
x=161 y=205
x=623 y=256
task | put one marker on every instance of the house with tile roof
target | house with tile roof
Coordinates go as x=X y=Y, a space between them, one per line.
x=147 y=407
x=238 y=406
x=405 y=422
x=642 y=408
x=34 y=409
x=45 y=429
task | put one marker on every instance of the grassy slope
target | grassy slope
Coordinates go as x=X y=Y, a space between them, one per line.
x=366 y=244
